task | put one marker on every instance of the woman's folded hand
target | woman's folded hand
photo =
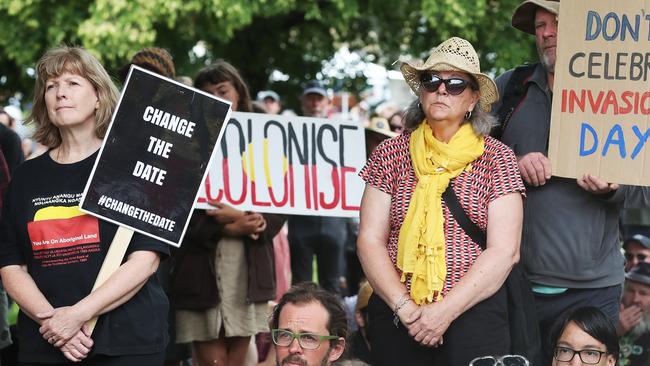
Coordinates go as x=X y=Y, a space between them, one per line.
x=433 y=322
x=61 y=324
x=78 y=347
x=249 y=224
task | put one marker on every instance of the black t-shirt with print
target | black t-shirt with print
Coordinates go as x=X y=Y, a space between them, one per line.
x=635 y=349
x=63 y=250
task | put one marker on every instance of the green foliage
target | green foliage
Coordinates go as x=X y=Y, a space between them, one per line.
x=258 y=36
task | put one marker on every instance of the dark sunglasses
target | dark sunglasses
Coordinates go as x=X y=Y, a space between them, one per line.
x=432 y=82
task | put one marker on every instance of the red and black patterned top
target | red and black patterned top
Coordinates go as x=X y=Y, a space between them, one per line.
x=493 y=174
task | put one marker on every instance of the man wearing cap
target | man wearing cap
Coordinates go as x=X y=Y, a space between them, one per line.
x=315 y=101
x=569 y=247
x=323 y=237
x=637 y=250
x=270 y=100
x=635 y=336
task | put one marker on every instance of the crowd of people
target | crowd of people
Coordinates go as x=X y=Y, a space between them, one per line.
x=459 y=197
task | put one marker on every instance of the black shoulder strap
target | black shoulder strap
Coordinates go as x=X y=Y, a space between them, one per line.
x=514 y=93
x=470 y=228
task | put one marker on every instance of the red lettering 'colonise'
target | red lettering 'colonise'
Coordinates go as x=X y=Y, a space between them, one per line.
x=302 y=147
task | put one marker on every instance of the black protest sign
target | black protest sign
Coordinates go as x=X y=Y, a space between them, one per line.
x=155 y=156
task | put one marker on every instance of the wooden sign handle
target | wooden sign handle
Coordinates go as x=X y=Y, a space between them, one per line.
x=112 y=262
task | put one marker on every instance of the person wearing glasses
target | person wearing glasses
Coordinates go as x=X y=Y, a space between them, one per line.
x=570 y=248
x=308 y=327
x=584 y=336
x=634 y=328
x=431 y=281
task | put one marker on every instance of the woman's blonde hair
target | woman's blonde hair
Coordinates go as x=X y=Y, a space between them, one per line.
x=77 y=61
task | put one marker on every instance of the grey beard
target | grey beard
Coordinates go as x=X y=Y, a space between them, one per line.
x=642 y=327
x=544 y=60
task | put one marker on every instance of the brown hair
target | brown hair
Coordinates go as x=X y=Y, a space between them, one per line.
x=592 y=321
x=221 y=71
x=77 y=61
x=12 y=121
x=153 y=59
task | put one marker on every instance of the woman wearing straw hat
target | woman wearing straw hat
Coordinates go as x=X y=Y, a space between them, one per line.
x=438 y=297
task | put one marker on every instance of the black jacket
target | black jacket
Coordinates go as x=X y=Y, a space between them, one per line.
x=193 y=285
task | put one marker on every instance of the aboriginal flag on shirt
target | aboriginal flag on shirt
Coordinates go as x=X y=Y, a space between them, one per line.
x=63 y=235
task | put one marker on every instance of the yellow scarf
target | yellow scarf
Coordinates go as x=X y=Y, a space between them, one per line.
x=421 y=246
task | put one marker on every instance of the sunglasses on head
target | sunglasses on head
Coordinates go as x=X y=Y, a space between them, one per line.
x=506 y=360
x=432 y=82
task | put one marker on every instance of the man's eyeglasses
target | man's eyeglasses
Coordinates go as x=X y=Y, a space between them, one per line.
x=283 y=338
x=432 y=82
x=506 y=360
x=588 y=356
x=639 y=257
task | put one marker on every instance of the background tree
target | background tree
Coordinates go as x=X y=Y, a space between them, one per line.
x=294 y=37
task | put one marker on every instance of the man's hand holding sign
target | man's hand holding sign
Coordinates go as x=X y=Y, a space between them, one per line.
x=588 y=100
x=595 y=185
x=535 y=168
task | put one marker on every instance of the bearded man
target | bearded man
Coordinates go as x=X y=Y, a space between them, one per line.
x=635 y=330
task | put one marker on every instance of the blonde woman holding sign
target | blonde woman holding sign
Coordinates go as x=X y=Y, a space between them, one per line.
x=50 y=252
x=438 y=296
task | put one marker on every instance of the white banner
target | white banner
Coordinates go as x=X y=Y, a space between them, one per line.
x=288 y=164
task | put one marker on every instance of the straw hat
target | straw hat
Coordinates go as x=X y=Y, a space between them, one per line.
x=365 y=290
x=524 y=16
x=454 y=54
x=380 y=125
